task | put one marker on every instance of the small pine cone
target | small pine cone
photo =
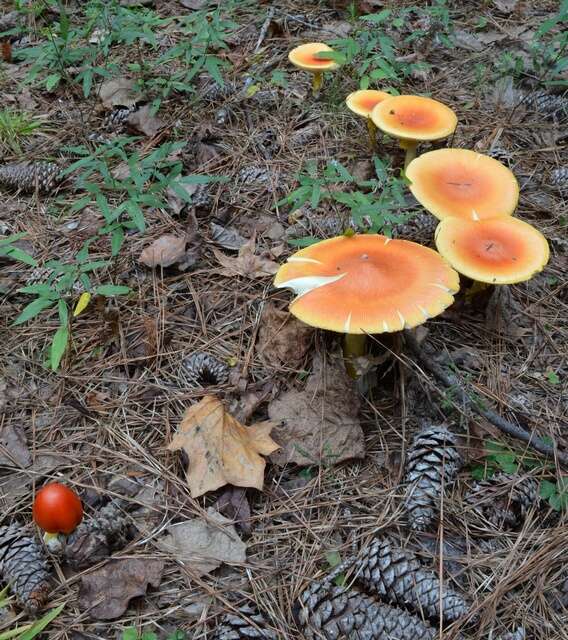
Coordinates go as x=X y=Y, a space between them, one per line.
x=24 y=566
x=397 y=577
x=204 y=369
x=548 y=104
x=420 y=228
x=94 y=540
x=116 y=119
x=333 y=613
x=246 y=624
x=504 y=500
x=27 y=176
x=559 y=177
x=432 y=463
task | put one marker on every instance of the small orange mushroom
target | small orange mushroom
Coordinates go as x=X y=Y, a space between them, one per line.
x=500 y=250
x=463 y=184
x=413 y=119
x=305 y=57
x=365 y=284
x=362 y=103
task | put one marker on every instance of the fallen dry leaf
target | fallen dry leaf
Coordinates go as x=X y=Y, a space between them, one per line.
x=320 y=423
x=282 y=339
x=143 y=121
x=175 y=201
x=205 y=544
x=233 y=504
x=118 y=92
x=226 y=237
x=221 y=450
x=163 y=252
x=246 y=264
x=14 y=450
x=106 y=592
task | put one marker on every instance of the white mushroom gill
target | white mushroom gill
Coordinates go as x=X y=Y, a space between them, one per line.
x=301 y=286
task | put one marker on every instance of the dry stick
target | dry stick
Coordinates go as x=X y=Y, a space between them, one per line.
x=450 y=381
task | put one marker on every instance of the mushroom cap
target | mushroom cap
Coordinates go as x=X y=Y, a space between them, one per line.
x=362 y=102
x=500 y=250
x=367 y=284
x=463 y=184
x=304 y=57
x=57 y=509
x=414 y=118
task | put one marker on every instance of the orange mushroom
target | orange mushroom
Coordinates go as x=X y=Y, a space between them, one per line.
x=362 y=103
x=413 y=119
x=305 y=57
x=364 y=284
x=463 y=184
x=500 y=250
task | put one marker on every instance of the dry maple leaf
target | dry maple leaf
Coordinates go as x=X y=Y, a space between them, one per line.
x=246 y=263
x=221 y=450
x=163 y=252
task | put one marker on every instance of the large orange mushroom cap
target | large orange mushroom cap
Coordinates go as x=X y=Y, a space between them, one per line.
x=304 y=57
x=463 y=184
x=364 y=101
x=367 y=284
x=500 y=250
x=414 y=118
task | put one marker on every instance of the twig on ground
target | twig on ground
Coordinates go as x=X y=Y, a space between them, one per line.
x=264 y=29
x=451 y=381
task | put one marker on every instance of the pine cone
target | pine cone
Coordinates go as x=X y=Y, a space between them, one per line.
x=420 y=228
x=432 y=463
x=204 y=369
x=334 y=613
x=246 y=624
x=94 y=540
x=27 y=176
x=116 y=119
x=519 y=634
x=504 y=499
x=24 y=566
x=396 y=576
x=559 y=177
x=551 y=105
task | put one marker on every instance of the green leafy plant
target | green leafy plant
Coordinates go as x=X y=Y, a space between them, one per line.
x=8 y=249
x=27 y=631
x=373 y=204
x=555 y=493
x=16 y=125
x=58 y=290
x=122 y=197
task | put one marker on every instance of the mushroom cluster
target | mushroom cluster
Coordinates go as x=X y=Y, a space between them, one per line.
x=365 y=284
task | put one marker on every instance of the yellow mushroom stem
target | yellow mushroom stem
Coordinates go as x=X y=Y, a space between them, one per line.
x=410 y=147
x=48 y=537
x=477 y=289
x=372 y=129
x=354 y=346
x=317 y=82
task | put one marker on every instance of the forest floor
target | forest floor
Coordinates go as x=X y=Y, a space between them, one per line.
x=103 y=420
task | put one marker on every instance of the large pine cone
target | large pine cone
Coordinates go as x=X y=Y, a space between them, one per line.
x=559 y=177
x=396 y=576
x=505 y=499
x=246 y=624
x=553 y=106
x=94 y=539
x=432 y=462
x=29 y=176
x=24 y=566
x=334 y=613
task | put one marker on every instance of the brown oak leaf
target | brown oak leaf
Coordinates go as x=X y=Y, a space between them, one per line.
x=165 y=251
x=106 y=592
x=247 y=263
x=282 y=339
x=221 y=450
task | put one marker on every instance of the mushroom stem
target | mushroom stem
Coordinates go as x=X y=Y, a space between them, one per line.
x=317 y=81
x=372 y=130
x=410 y=146
x=354 y=346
